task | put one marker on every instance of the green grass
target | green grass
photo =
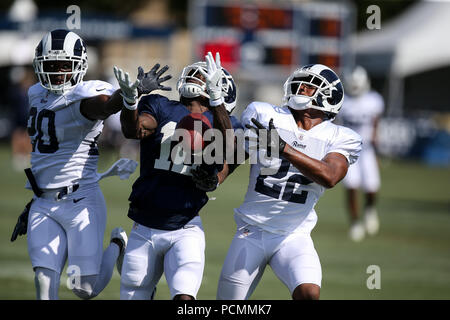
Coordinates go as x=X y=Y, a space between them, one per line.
x=412 y=248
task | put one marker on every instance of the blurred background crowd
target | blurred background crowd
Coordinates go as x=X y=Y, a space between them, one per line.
x=402 y=44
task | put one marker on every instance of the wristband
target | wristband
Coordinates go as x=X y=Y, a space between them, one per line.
x=131 y=107
x=217 y=102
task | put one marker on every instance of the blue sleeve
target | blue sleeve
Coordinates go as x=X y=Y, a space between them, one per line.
x=236 y=123
x=155 y=105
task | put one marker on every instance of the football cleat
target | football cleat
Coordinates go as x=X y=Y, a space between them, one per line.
x=357 y=231
x=120 y=235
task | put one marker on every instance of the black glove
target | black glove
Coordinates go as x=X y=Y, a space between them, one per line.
x=272 y=136
x=205 y=180
x=22 y=223
x=151 y=80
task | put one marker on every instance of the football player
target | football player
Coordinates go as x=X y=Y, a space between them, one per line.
x=305 y=153
x=67 y=216
x=167 y=236
x=361 y=112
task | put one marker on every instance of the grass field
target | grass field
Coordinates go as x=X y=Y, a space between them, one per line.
x=412 y=248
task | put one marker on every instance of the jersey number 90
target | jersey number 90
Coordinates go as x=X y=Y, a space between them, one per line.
x=45 y=141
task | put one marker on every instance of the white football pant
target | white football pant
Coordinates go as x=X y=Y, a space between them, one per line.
x=180 y=254
x=364 y=172
x=292 y=258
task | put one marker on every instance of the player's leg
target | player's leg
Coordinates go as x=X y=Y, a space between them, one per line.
x=47 y=247
x=371 y=184
x=85 y=222
x=185 y=260
x=297 y=265
x=244 y=264
x=47 y=283
x=142 y=265
x=352 y=182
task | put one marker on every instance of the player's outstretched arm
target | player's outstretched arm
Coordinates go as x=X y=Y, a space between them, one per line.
x=326 y=172
x=214 y=77
x=102 y=106
x=135 y=126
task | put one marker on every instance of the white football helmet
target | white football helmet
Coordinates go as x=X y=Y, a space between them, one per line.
x=60 y=45
x=329 y=94
x=357 y=82
x=190 y=84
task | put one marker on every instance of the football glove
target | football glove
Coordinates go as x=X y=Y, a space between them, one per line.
x=205 y=180
x=273 y=139
x=128 y=88
x=214 y=80
x=151 y=80
x=22 y=223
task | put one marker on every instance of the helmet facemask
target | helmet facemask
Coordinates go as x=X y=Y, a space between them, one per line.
x=192 y=85
x=60 y=46
x=71 y=78
x=318 y=100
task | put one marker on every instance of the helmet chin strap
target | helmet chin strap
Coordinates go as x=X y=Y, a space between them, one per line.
x=300 y=102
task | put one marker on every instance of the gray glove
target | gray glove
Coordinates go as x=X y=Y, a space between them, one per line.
x=22 y=223
x=151 y=80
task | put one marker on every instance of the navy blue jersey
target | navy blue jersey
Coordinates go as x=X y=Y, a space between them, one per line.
x=164 y=196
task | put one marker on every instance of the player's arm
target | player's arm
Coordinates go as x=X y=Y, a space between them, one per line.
x=102 y=106
x=326 y=172
x=135 y=125
x=221 y=119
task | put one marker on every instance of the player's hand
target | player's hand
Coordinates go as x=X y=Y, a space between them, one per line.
x=273 y=139
x=204 y=180
x=22 y=223
x=214 y=79
x=129 y=88
x=152 y=80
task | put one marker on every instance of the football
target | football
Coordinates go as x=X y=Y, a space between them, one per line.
x=194 y=125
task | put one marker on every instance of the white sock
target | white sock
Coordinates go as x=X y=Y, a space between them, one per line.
x=47 y=283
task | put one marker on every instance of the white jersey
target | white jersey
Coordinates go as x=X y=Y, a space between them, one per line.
x=359 y=113
x=64 y=141
x=284 y=202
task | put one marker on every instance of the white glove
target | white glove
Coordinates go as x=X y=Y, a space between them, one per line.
x=122 y=168
x=129 y=89
x=213 y=78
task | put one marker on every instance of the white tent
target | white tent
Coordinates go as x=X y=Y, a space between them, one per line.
x=416 y=41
